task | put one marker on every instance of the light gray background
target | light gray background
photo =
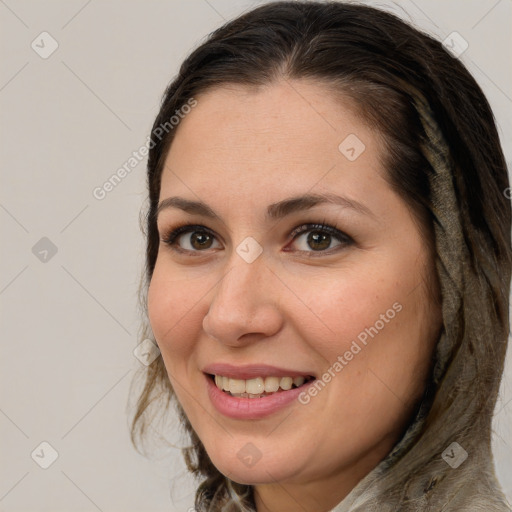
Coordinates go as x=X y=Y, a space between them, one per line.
x=69 y=324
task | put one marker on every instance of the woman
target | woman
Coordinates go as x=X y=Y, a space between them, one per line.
x=328 y=266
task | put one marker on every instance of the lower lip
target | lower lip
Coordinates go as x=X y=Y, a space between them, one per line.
x=251 y=408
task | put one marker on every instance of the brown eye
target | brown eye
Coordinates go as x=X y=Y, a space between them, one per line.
x=190 y=239
x=199 y=240
x=318 y=241
x=320 y=238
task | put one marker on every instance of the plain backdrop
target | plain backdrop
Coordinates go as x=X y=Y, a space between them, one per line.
x=71 y=262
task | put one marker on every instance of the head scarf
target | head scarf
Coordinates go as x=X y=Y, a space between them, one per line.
x=445 y=476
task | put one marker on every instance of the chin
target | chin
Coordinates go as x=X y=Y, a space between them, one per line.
x=249 y=466
x=257 y=475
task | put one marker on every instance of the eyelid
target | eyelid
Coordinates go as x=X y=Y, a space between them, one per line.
x=173 y=233
x=320 y=226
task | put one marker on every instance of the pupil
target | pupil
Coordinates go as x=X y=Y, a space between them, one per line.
x=202 y=239
x=320 y=240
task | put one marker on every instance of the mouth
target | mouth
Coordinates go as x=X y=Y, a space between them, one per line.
x=259 y=387
x=254 y=391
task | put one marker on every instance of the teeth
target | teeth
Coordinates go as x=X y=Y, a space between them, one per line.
x=254 y=388
x=271 y=384
x=236 y=386
x=286 y=383
x=298 y=381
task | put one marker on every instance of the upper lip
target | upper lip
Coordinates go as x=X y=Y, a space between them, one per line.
x=251 y=371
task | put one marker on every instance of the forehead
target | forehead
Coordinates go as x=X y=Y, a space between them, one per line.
x=290 y=134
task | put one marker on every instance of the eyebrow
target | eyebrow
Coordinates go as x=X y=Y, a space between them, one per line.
x=274 y=211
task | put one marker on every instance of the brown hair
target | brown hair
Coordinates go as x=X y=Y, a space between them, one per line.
x=375 y=59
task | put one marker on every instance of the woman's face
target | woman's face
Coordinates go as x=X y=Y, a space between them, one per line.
x=256 y=294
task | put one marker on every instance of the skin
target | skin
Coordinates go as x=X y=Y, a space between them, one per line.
x=240 y=150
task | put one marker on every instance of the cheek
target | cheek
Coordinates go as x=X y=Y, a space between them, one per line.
x=380 y=326
x=174 y=312
x=343 y=310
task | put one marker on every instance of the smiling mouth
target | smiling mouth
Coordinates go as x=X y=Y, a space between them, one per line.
x=258 y=387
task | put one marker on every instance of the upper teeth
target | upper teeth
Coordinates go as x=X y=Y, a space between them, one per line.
x=258 y=385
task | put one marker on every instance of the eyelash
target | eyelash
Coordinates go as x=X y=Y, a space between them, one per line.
x=170 y=237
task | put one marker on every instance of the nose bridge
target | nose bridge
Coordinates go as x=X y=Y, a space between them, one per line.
x=243 y=301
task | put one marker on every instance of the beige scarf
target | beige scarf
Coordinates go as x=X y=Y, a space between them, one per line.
x=459 y=402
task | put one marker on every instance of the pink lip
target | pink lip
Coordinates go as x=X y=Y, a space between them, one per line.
x=252 y=371
x=251 y=408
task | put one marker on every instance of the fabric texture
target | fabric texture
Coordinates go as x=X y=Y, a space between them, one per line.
x=451 y=411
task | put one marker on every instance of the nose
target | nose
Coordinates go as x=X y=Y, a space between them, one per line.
x=245 y=305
